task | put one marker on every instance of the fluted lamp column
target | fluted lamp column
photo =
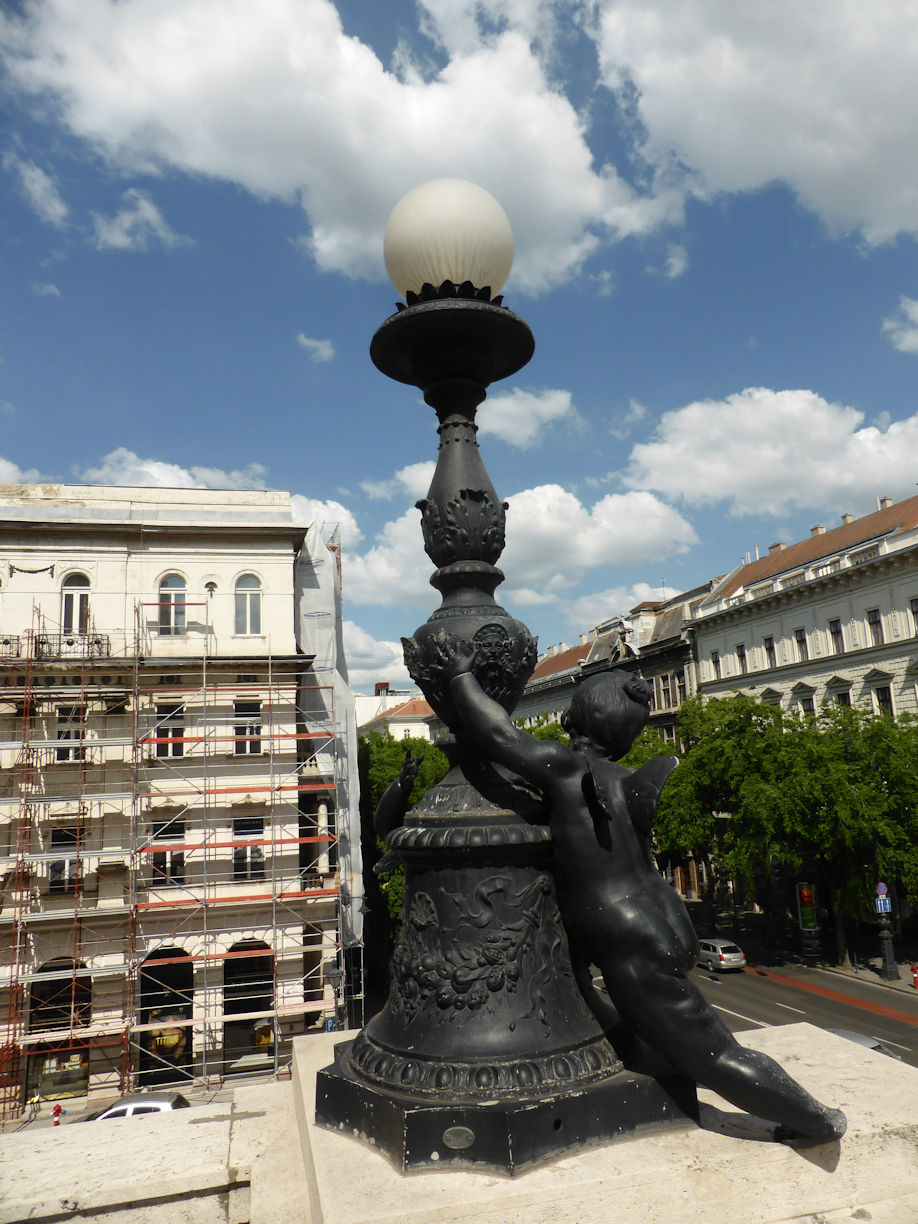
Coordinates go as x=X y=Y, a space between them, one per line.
x=486 y=1053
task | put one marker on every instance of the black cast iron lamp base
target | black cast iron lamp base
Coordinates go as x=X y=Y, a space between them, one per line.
x=486 y=1053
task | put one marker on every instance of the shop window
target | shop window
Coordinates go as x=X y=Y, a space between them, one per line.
x=60 y=997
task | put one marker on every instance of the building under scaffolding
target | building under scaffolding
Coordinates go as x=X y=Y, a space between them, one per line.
x=178 y=821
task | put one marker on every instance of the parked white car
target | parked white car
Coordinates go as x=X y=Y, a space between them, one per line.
x=136 y=1103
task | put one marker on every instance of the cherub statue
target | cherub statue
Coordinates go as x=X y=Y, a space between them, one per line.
x=619 y=913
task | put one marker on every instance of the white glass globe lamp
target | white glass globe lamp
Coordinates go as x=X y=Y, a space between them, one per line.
x=448 y=230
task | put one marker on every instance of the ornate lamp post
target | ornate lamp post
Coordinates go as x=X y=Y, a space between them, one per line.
x=486 y=1052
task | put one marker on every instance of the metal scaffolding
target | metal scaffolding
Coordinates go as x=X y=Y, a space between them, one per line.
x=170 y=860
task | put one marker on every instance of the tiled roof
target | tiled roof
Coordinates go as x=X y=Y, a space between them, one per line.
x=899 y=517
x=417 y=707
x=564 y=661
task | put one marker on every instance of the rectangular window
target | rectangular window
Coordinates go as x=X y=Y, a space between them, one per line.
x=71 y=730
x=807 y=706
x=741 y=662
x=803 y=650
x=875 y=626
x=680 y=688
x=172 y=614
x=913 y=606
x=843 y=697
x=247 y=727
x=666 y=693
x=883 y=695
x=63 y=871
x=248 y=860
x=75 y=612
x=768 y=645
x=715 y=663
x=248 y=607
x=170 y=730
x=169 y=864
x=836 y=637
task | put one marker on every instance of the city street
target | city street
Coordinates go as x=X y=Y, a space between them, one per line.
x=758 y=998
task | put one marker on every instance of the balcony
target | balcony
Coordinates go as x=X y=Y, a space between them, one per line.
x=72 y=646
x=10 y=647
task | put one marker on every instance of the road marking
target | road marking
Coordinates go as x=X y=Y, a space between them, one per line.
x=878 y=1009
x=886 y=1041
x=787 y=1007
x=760 y=1023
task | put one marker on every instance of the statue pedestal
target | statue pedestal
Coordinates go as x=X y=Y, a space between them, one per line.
x=726 y=1169
x=498 y=1135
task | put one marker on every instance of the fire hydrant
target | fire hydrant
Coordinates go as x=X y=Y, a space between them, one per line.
x=56 y=1110
x=915 y=976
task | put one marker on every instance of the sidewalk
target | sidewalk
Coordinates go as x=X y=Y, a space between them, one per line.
x=870 y=972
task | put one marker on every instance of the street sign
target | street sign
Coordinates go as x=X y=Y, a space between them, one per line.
x=882 y=890
x=884 y=905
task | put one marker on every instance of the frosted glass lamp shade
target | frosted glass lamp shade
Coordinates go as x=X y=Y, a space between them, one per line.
x=448 y=229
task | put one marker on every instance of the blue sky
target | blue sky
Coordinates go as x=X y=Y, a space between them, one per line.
x=714 y=206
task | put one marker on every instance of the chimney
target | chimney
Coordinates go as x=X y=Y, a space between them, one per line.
x=776 y=548
x=382 y=688
x=885 y=503
x=817 y=530
x=847 y=518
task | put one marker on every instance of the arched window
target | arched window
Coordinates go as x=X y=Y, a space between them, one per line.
x=62 y=997
x=248 y=605
x=75 y=604
x=172 y=606
x=248 y=992
x=166 y=1002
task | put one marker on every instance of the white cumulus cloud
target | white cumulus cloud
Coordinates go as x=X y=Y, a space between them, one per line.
x=39 y=189
x=318 y=350
x=123 y=467
x=734 y=97
x=554 y=540
x=902 y=328
x=413 y=480
x=12 y=473
x=771 y=452
x=137 y=226
x=279 y=99
x=324 y=513
x=369 y=659
x=521 y=417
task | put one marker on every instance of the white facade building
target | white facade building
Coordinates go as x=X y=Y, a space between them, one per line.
x=833 y=618
x=179 y=838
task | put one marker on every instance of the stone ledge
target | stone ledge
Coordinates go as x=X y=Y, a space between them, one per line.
x=728 y=1170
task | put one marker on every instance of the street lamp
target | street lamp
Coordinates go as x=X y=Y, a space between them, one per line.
x=486 y=1052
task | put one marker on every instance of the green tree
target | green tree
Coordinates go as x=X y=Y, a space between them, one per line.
x=545 y=728
x=380 y=757
x=835 y=795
